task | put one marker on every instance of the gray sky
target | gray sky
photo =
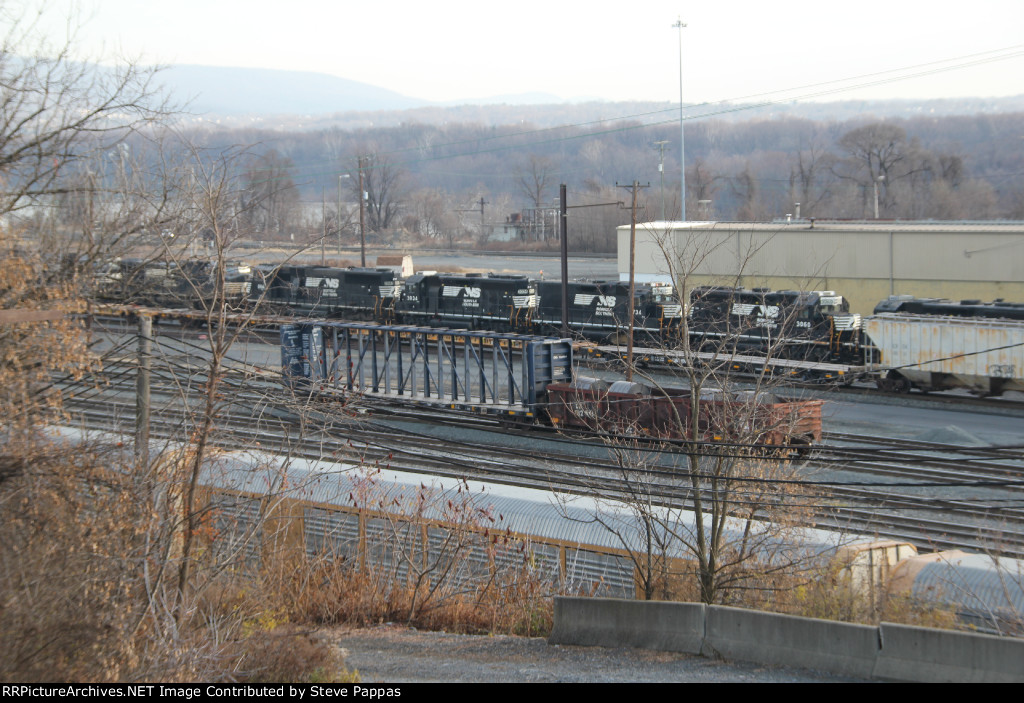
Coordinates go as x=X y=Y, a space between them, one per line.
x=450 y=49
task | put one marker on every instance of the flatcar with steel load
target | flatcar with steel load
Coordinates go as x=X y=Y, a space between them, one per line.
x=627 y=407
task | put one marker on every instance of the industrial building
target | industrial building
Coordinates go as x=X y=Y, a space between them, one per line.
x=865 y=261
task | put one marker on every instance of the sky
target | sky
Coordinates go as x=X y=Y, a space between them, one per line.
x=453 y=50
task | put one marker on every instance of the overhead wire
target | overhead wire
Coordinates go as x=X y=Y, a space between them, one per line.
x=720 y=107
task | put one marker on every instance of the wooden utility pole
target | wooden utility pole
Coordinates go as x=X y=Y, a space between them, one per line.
x=632 y=278
x=323 y=235
x=563 y=234
x=142 y=391
x=362 y=221
x=482 y=231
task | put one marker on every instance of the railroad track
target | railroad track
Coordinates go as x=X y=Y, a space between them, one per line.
x=266 y=332
x=884 y=487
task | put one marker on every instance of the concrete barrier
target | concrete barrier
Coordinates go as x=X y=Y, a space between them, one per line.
x=926 y=654
x=788 y=640
x=893 y=652
x=611 y=622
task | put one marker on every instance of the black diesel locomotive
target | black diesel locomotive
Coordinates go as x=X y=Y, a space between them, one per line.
x=815 y=325
x=189 y=283
x=799 y=325
x=322 y=291
x=497 y=302
x=940 y=307
x=808 y=330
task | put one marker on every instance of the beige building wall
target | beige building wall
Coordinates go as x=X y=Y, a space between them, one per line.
x=865 y=262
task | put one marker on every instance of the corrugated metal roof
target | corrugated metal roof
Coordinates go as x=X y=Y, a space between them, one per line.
x=580 y=521
x=924 y=227
x=975 y=583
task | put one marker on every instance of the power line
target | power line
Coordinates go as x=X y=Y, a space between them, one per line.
x=724 y=106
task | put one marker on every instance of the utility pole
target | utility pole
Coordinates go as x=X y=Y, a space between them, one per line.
x=632 y=278
x=482 y=203
x=339 y=212
x=142 y=403
x=563 y=233
x=323 y=217
x=362 y=221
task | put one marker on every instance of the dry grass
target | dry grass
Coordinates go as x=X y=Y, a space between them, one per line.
x=87 y=592
x=324 y=592
x=827 y=594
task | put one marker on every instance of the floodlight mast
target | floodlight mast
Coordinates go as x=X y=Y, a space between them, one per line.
x=682 y=149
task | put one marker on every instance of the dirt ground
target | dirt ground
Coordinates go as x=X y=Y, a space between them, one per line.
x=395 y=654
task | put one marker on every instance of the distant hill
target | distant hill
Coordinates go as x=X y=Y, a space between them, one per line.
x=216 y=91
x=303 y=100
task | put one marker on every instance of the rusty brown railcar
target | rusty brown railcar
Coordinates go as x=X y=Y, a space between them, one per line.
x=756 y=419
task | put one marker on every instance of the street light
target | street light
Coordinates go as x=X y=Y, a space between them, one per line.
x=661 y=170
x=682 y=151
x=340 y=177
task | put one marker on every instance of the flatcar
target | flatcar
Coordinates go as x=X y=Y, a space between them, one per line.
x=530 y=379
x=631 y=408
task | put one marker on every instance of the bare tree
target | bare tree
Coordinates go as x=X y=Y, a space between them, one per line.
x=270 y=199
x=433 y=214
x=879 y=157
x=809 y=178
x=56 y=112
x=711 y=514
x=99 y=551
x=745 y=187
x=382 y=189
x=533 y=179
x=701 y=185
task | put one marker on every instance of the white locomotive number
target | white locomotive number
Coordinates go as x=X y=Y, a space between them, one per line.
x=1002 y=371
x=803 y=323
